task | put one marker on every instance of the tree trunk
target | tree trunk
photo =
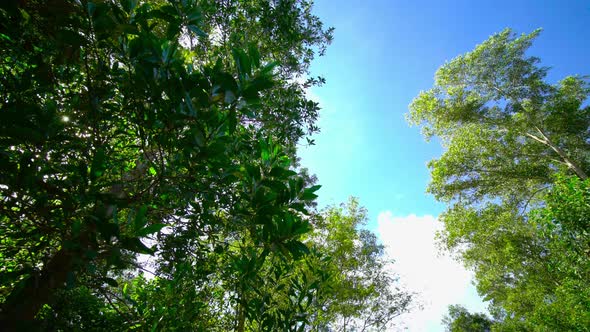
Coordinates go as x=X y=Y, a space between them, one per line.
x=241 y=318
x=571 y=164
x=22 y=305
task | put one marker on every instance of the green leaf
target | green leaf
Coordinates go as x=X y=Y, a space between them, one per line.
x=135 y=245
x=91 y=7
x=140 y=218
x=111 y=282
x=268 y=69
x=308 y=195
x=242 y=62
x=264 y=154
x=151 y=229
x=254 y=55
x=4 y=37
x=98 y=164
x=314 y=188
x=197 y=31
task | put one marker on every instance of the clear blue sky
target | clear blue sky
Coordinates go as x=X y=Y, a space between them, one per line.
x=383 y=54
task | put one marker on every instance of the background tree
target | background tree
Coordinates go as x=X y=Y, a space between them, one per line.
x=362 y=293
x=511 y=142
x=343 y=283
x=460 y=320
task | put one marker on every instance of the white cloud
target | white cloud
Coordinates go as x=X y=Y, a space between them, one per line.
x=438 y=278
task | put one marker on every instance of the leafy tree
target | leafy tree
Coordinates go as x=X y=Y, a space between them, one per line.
x=505 y=130
x=461 y=320
x=548 y=289
x=343 y=283
x=160 y=137
x=79 y=310
x=118 y=140
x=362 y=293
x=513 y=175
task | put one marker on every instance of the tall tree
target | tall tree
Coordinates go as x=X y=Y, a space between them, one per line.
x=506 y=131
x=118 y=139
x=508 y=135
x=343 y=283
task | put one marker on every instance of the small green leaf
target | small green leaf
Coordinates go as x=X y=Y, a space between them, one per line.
x=254 y=55
x=197 y=31
x=98 y=164
x=265 y=154
x=242 y=62
x=150 y=229
x=308 y=195
x=314 y=188
x=140 y=218
x=111 y=282
x=91 y=8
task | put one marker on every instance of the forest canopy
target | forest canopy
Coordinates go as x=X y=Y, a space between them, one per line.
x=151 y=180
x=149 y=177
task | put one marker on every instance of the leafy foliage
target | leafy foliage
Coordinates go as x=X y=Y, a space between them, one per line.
x=158 y=138
x=362 y=293
x=514 y=176
x=460 y=320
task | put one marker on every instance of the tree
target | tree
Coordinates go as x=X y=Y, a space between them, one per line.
x=461 y=320
x=159 y=138
x=548 y=288
x=361 y=293
x=513 y=143
x=342 y=284
x=505 y=129
x=118 y=140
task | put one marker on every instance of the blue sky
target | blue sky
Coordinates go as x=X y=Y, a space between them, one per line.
x=383 y=54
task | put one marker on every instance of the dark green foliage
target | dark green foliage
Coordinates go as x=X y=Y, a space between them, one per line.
x=159 y=137
x=111 y=133
x=78 y=309
x=460 y=320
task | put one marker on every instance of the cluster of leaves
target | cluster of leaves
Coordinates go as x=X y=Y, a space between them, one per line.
x=460 y=319
x=148 y=176
x=341 y=283
x=514 y=176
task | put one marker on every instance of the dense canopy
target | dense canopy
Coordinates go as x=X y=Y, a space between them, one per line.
x=150 y=176
x=514 y=175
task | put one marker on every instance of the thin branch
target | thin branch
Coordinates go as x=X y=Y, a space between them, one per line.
x=531 y=198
